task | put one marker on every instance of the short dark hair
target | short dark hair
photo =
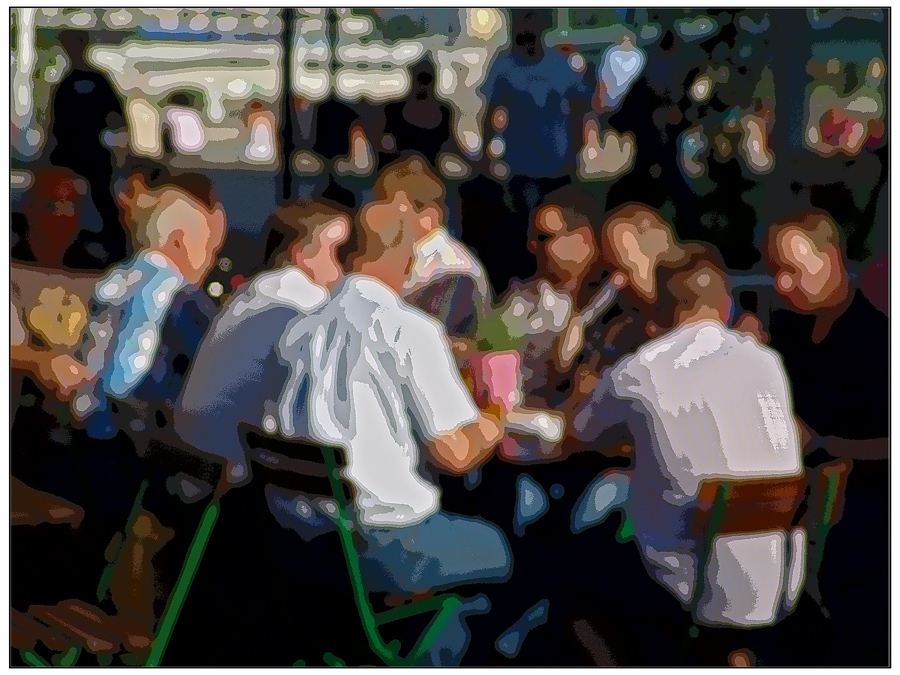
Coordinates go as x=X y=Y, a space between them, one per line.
x=158 y=176
x=298 y=222
x=153 y=173
x=682 y=284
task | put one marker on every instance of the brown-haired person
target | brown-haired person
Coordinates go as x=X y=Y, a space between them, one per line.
x=635 y=241
x=149 y=313
x=445 y=279
x=545 y=313
x=237 y=377
x=700 y=400
x=375 y=376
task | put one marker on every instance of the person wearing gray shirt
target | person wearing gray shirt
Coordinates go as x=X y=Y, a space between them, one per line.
x=237 y=376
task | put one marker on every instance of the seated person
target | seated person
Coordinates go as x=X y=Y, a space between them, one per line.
x=149 y=314
x=835 y=346
x=700 y=401
x=445 y=280
x=237 y=377
x=371 y=375
x=635 y=240
x=62 y=219
x=833 y=340
x=542 y=314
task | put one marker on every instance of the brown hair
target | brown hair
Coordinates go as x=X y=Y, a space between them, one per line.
x=299 y=223
x=195 y=185
x=412 y=176
x=699 y=280
x=578 y=207
x=629 y=213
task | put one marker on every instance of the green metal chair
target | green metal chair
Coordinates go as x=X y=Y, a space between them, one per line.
x=341 y=492
x=827 y=486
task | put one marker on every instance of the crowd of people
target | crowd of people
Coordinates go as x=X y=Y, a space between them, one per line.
x=358 y=329
x=624 y=374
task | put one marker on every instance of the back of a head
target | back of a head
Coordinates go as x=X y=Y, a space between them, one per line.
x=153 y=174
x=187 y=204
x=298 y=223
x=413 y=176
x=698 y=282
x=195 y=185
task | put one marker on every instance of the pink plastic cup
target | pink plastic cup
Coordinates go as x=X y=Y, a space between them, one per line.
x=498 y=379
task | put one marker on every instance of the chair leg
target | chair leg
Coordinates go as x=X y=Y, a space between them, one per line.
x=434 y=628
x=69 y=658
x=32 y=659
x=183 y=585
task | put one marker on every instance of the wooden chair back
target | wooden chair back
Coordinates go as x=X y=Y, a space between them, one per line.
x=746 y=506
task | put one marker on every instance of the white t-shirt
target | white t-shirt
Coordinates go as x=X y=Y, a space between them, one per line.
x=703 y=402
x=368 y=371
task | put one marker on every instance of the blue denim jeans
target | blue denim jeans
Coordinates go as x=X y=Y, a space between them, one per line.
x=441 y=552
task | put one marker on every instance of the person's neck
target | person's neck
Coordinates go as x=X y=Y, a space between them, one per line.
x=570 y=284
x=702 y=314
x=323 y=270
x=383 y=269
x=174 y=263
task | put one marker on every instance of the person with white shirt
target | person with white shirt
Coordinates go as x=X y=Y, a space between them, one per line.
x=376 y=378
x=237 y=377
x=445 y=280
x=701 y=401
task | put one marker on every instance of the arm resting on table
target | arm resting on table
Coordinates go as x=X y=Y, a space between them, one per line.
x=462 y=451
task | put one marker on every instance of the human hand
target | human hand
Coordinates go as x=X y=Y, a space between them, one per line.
x=571 y=343
x=64 y=374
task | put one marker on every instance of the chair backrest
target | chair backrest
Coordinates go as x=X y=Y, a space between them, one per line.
x=155 y=437
x=740 y=507
x=746 y=506
x=295 y=464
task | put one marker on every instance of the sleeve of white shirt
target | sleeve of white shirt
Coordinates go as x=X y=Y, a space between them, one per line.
x=439 y=398
x=604 y=409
